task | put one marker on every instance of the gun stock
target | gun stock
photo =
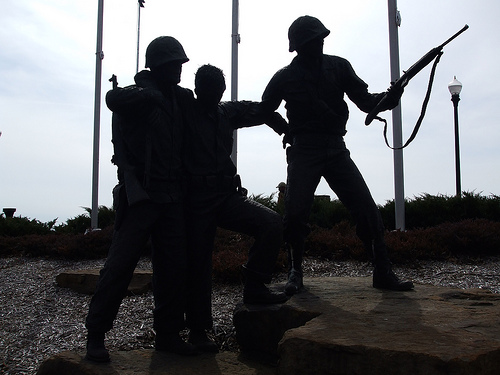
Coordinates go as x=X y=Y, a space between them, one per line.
x=410 y=73
x=114 y=81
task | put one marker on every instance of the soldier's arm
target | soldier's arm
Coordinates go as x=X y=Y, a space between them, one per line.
x=132 y=99
x=243 y=114
x=357 y=90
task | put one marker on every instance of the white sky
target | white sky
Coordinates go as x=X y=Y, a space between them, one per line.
x=47 y=80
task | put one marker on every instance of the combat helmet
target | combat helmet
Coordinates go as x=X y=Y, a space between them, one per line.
x=304 y=29
x=164 y=49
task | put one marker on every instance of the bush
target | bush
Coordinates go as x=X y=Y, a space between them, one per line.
x=94 y=245
x=326 y=213
x=269 y=201
x=427 y=210
x=442 y=228
x=81 y=223
x=22 y=226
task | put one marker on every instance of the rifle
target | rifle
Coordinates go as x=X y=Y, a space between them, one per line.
x=114 y=81
x=401 y=82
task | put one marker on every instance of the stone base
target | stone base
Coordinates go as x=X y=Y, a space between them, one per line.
x=149 y=361
x=362 y=330
x=339 y=326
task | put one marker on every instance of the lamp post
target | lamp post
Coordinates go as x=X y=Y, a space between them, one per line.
x=455 y=87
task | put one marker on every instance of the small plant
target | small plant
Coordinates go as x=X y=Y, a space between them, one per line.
x=268 y=201
x=80 y=223
x=21 y=226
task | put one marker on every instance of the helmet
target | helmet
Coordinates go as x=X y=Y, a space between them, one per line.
x=164 y=49
x=304 y=29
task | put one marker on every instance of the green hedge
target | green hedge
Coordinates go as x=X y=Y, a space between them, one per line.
x=438 y=227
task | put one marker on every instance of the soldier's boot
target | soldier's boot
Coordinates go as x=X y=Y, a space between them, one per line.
x=199 y=338
x=385 y=278
x=171 y=342
x=96 y=351
x=383 y=275
x=255 y=291
x=295 y=277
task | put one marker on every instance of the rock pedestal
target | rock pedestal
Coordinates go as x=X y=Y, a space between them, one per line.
x=361 y=330
x=148 y=361
x=339 y=326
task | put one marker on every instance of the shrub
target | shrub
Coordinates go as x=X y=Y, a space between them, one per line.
x=443 y=228
x=269 y=201
x=94 y=245
x=428 y=210
x=326 y=213
x=21 y=226
x=81 y=223
x=467 y=239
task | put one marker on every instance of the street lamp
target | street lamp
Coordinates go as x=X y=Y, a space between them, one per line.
x=455 y=87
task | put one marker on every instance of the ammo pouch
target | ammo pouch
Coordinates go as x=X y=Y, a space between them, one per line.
x=237 y=185
x=116 y=195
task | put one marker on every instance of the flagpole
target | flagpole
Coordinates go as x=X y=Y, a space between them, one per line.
x=397 y=127
x=97 y=118
x=234 y=71
x=139 y=6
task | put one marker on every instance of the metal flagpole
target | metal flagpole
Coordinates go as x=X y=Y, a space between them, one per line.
x=397 y=128
x=234 y=71
x=140 y=5
x=97 y=118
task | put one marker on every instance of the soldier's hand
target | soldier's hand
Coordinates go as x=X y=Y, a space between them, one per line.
x=394 y=94
x=287 y=139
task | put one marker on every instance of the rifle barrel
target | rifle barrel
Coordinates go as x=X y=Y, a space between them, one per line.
x=454 y=36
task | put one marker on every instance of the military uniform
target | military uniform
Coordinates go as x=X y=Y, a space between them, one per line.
x=215 y=198
x=147 y=128
x=313 y=87
x=148 y=140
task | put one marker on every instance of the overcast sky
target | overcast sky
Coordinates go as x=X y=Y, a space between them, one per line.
x=47 y=71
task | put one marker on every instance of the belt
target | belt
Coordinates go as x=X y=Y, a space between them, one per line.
x=213 y=182
x=329 y=140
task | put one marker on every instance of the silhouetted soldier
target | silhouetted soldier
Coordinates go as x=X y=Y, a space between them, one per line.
x=147 y=138
x=215 y=198
x=313 y=86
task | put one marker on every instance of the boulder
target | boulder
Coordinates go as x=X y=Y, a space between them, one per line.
x=338 y=326
x=85 y=281
x=352 y=328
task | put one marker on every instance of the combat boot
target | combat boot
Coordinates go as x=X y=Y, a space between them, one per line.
x=257 y=293
x=96 y=351
x=199 y=338
x=295 y=278
x=385 y=278
x=295 y=282
x=171 y=342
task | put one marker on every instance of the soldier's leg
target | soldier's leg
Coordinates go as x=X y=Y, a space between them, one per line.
x=347 y=182
x=201 y=229
x=244 y=215
x=129 y=238
x=304 y=173
x=169 y=260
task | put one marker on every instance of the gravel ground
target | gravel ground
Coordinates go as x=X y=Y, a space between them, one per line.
x=39 y=319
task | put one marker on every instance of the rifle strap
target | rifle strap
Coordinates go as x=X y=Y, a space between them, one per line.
x=422 y=112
